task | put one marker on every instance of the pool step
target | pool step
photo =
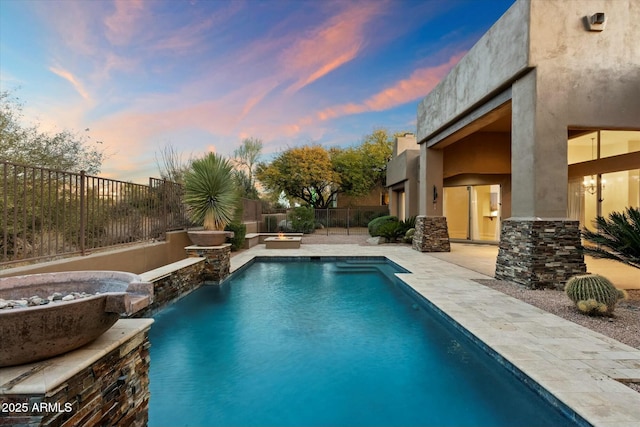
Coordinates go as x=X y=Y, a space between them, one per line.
x=363 y=266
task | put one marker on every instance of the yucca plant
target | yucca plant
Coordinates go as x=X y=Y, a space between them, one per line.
x=210 y=192
x=618 y=237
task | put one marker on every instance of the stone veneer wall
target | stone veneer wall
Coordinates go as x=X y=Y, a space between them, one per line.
x=217 y=261
x=432 y=234
x=170 y=288
x=540 y=253
x=113 y=391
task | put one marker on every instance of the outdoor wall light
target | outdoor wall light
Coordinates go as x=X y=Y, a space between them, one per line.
x=597 y=21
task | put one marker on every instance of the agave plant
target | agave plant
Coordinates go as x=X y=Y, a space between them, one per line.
x=210 y=192
x=618 y=237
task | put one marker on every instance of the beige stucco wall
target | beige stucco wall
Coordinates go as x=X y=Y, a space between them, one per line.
x=592 y=77
x=403 y=167
x=558 y=74
x=498 y=57
x=134 y=259
x=479 y=153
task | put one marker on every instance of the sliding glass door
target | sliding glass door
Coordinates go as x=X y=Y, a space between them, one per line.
x=473 y=212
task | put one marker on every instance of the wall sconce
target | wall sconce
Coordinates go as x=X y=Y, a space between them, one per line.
x=597 y=21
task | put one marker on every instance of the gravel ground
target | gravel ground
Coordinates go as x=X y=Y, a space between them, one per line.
x=623 y=326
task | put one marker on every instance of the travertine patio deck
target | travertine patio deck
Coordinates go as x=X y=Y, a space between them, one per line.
x=580 y=367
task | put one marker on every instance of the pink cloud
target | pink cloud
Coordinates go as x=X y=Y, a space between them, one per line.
x=195 y=34
x=123 y=23
x=68 y=76
x=331 y=45
x=418 y=85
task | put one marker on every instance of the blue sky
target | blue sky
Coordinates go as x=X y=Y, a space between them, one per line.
x=201 y=75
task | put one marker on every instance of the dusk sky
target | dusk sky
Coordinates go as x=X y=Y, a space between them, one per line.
x=201 y=75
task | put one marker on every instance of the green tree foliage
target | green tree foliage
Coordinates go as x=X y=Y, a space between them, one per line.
x=303 y=219
x=303 y=173
x=364 y=167
x=618 y=237
x=314 y=175
x=64 y=150
x=239 y=234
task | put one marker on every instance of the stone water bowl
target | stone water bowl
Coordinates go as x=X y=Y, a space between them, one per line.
x=32 y=333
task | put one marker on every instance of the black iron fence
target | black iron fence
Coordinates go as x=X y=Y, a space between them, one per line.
x=331 y=221
x=47 y=213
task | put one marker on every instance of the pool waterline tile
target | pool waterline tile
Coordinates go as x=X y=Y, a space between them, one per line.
x=482 y=311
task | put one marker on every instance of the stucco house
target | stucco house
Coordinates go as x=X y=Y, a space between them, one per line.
x=402 y=177
x=531 y=135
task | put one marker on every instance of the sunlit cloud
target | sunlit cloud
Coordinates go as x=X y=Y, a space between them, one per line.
x=330 y=45
x=418 y=85
x=205 y=75
x=194 y=36
x=123 y=24
x=77 y=85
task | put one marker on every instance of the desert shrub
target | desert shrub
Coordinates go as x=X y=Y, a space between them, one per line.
x=409 y=222
x=408 y=236
x=303 y=219
x=391 y=230
x=618 y=237
x=593 y=294
x=376 y=223
x=239 y=232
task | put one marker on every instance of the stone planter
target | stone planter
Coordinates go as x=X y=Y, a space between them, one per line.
x=209 y=237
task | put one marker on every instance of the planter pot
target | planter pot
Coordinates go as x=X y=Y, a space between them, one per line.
x=209 y=237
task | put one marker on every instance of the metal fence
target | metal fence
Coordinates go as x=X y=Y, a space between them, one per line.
x=47 y=213
x=331 y=221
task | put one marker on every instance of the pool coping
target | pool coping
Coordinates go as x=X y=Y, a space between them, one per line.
x=565 y=363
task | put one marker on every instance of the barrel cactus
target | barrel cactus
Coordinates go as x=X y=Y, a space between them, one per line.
x=593 y=294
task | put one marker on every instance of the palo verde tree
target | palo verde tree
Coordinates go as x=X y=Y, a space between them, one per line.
x=246 y=158
x=304 y=173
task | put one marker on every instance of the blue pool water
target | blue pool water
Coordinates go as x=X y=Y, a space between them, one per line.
x=325 y=344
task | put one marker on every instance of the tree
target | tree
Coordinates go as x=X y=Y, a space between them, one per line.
x=65 y=150
x=314 y=175
x=304 y=173
x=246 y=159
x=364 y=167
x=171 y=165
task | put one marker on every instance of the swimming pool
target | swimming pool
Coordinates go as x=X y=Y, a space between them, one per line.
x=325 y=343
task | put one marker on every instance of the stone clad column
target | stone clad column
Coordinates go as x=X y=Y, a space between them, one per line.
x=217 y=261
x=539 y=246
x=432 y=234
